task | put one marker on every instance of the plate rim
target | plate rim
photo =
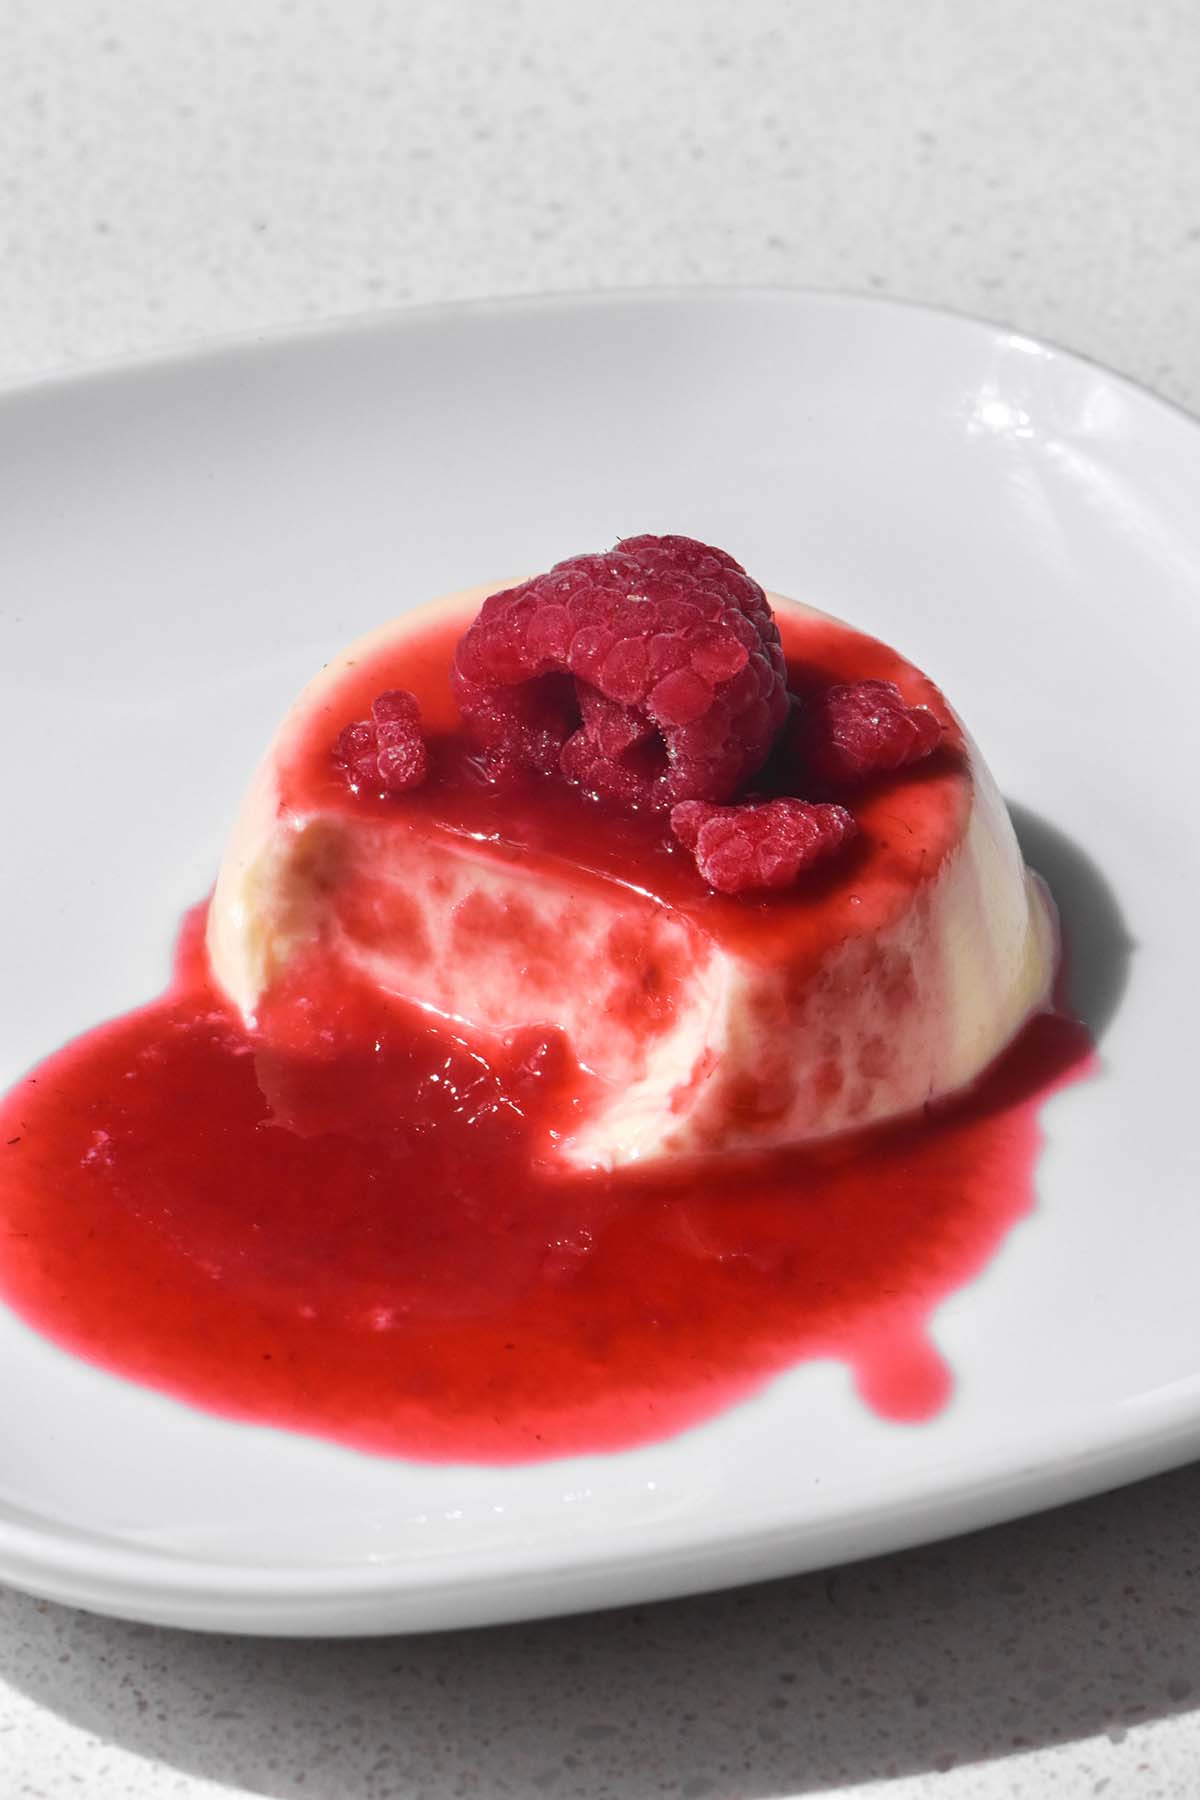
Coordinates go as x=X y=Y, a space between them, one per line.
x=126 y=1580
x=190 y=352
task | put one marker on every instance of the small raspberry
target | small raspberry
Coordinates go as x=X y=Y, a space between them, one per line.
x=650 y=674
x=386 y=753
x=846 y=734
x=739 y=848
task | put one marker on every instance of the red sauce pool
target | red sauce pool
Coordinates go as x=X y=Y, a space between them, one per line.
x=365 y=1246
x=360 y=1249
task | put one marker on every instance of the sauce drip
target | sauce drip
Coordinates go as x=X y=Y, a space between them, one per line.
x=365 y=1245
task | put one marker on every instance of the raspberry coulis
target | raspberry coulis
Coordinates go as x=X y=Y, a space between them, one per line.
x=908 y=820
x=358 y=1232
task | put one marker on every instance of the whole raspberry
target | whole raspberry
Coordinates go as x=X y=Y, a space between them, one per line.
x=650 y=674
x=740 y=848
x=846 y=734
x=386 y=753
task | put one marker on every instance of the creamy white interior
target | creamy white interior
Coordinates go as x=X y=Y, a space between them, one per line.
x=885 y=1022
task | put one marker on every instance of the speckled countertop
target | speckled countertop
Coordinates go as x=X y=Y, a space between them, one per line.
x=170 y=172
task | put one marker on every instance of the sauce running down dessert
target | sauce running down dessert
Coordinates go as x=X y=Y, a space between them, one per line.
x=885 y=978
x=476 y=1125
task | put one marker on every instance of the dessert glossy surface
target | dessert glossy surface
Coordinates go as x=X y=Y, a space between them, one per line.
x=886 y=978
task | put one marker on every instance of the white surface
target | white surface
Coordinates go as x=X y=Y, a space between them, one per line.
x=1034 y=162
x=1015 y=495
x=282 y=491
x=1053 y=1657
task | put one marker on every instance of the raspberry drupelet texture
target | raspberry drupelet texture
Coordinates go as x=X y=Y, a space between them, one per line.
x=386 y=753
x=648 y=675
x=846 y=734
x=742 y=848
x=653 y=676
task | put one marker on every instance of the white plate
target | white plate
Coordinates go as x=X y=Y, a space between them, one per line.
x=185 y=541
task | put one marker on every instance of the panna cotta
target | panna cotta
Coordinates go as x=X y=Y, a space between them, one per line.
x=888 y=974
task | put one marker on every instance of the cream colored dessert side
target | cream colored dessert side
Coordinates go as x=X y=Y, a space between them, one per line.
x=887 y=1024
x=730 y=1052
